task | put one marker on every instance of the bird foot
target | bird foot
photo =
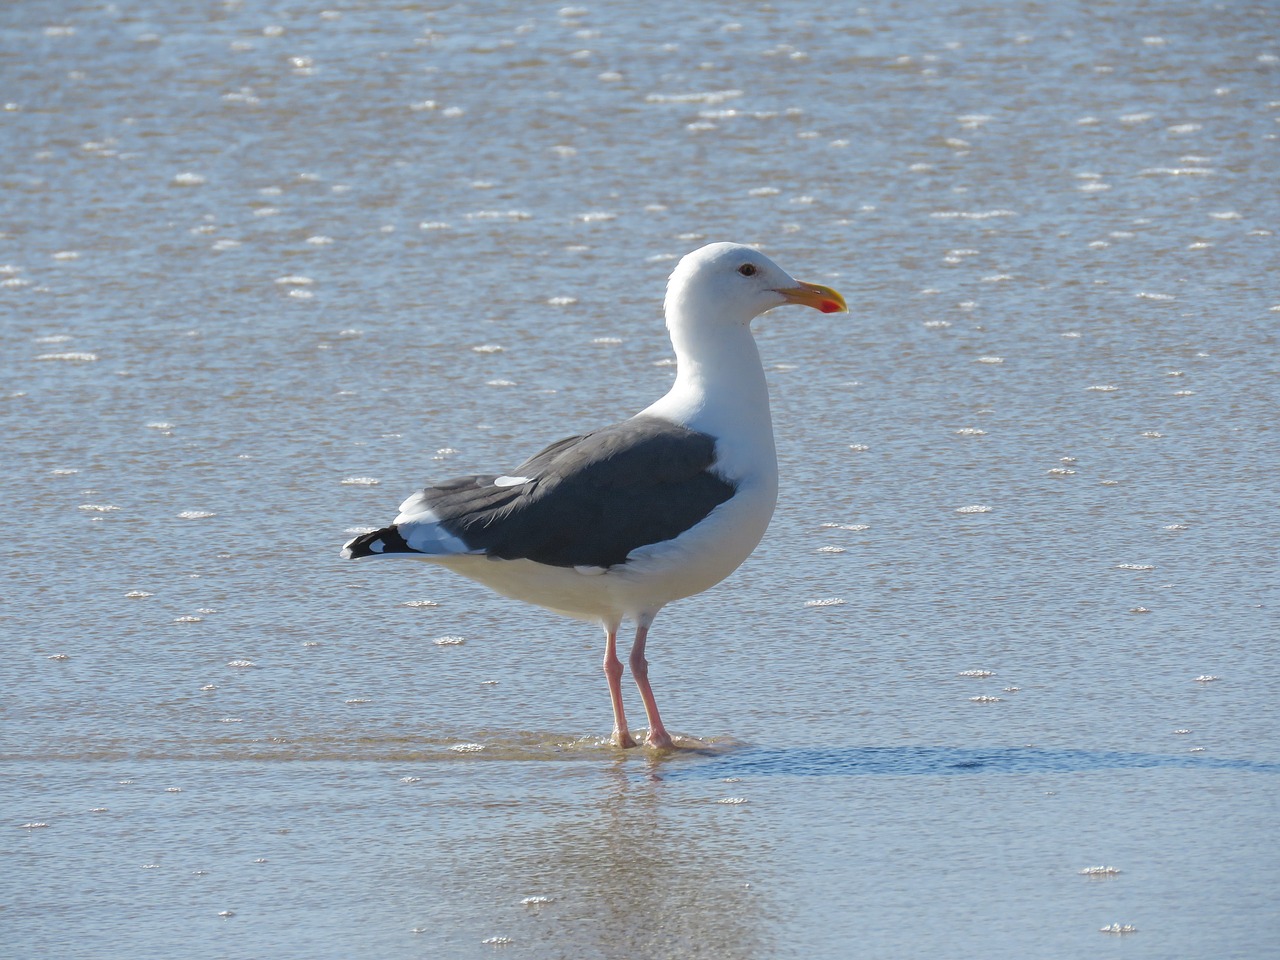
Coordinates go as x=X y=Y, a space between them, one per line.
x=660 y=739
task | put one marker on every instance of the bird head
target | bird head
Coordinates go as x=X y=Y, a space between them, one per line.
x=737 y=283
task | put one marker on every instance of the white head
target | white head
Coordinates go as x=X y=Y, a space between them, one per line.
x=728 y=283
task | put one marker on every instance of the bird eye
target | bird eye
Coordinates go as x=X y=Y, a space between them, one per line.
x=747 y=269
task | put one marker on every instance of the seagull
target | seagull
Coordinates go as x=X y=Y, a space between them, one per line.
x=614 y=524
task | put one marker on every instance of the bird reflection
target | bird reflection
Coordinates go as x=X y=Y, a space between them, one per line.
x=646 y=869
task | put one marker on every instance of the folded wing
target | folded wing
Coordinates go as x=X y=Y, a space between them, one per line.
x=584 y=501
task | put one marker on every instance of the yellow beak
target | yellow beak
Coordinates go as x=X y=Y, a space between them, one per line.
x=815 y=295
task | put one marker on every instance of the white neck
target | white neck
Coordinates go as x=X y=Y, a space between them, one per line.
x=720 y=389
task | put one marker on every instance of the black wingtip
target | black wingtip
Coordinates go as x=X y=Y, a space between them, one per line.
x=376 y=544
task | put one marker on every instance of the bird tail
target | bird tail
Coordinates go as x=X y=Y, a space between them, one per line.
x=387 y=541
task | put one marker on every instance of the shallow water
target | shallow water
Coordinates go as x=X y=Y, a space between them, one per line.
x=266 y=267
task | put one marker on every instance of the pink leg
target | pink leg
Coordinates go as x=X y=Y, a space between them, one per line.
x=613 y=673
x=658 y=736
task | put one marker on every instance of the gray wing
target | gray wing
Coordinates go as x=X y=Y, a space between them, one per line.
x=588 y=500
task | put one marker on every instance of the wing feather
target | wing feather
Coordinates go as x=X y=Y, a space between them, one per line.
x=590 y=499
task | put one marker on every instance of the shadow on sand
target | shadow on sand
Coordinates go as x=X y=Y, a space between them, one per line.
x=749 y=760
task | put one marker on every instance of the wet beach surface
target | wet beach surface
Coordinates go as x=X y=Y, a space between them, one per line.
x=1003 y=672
